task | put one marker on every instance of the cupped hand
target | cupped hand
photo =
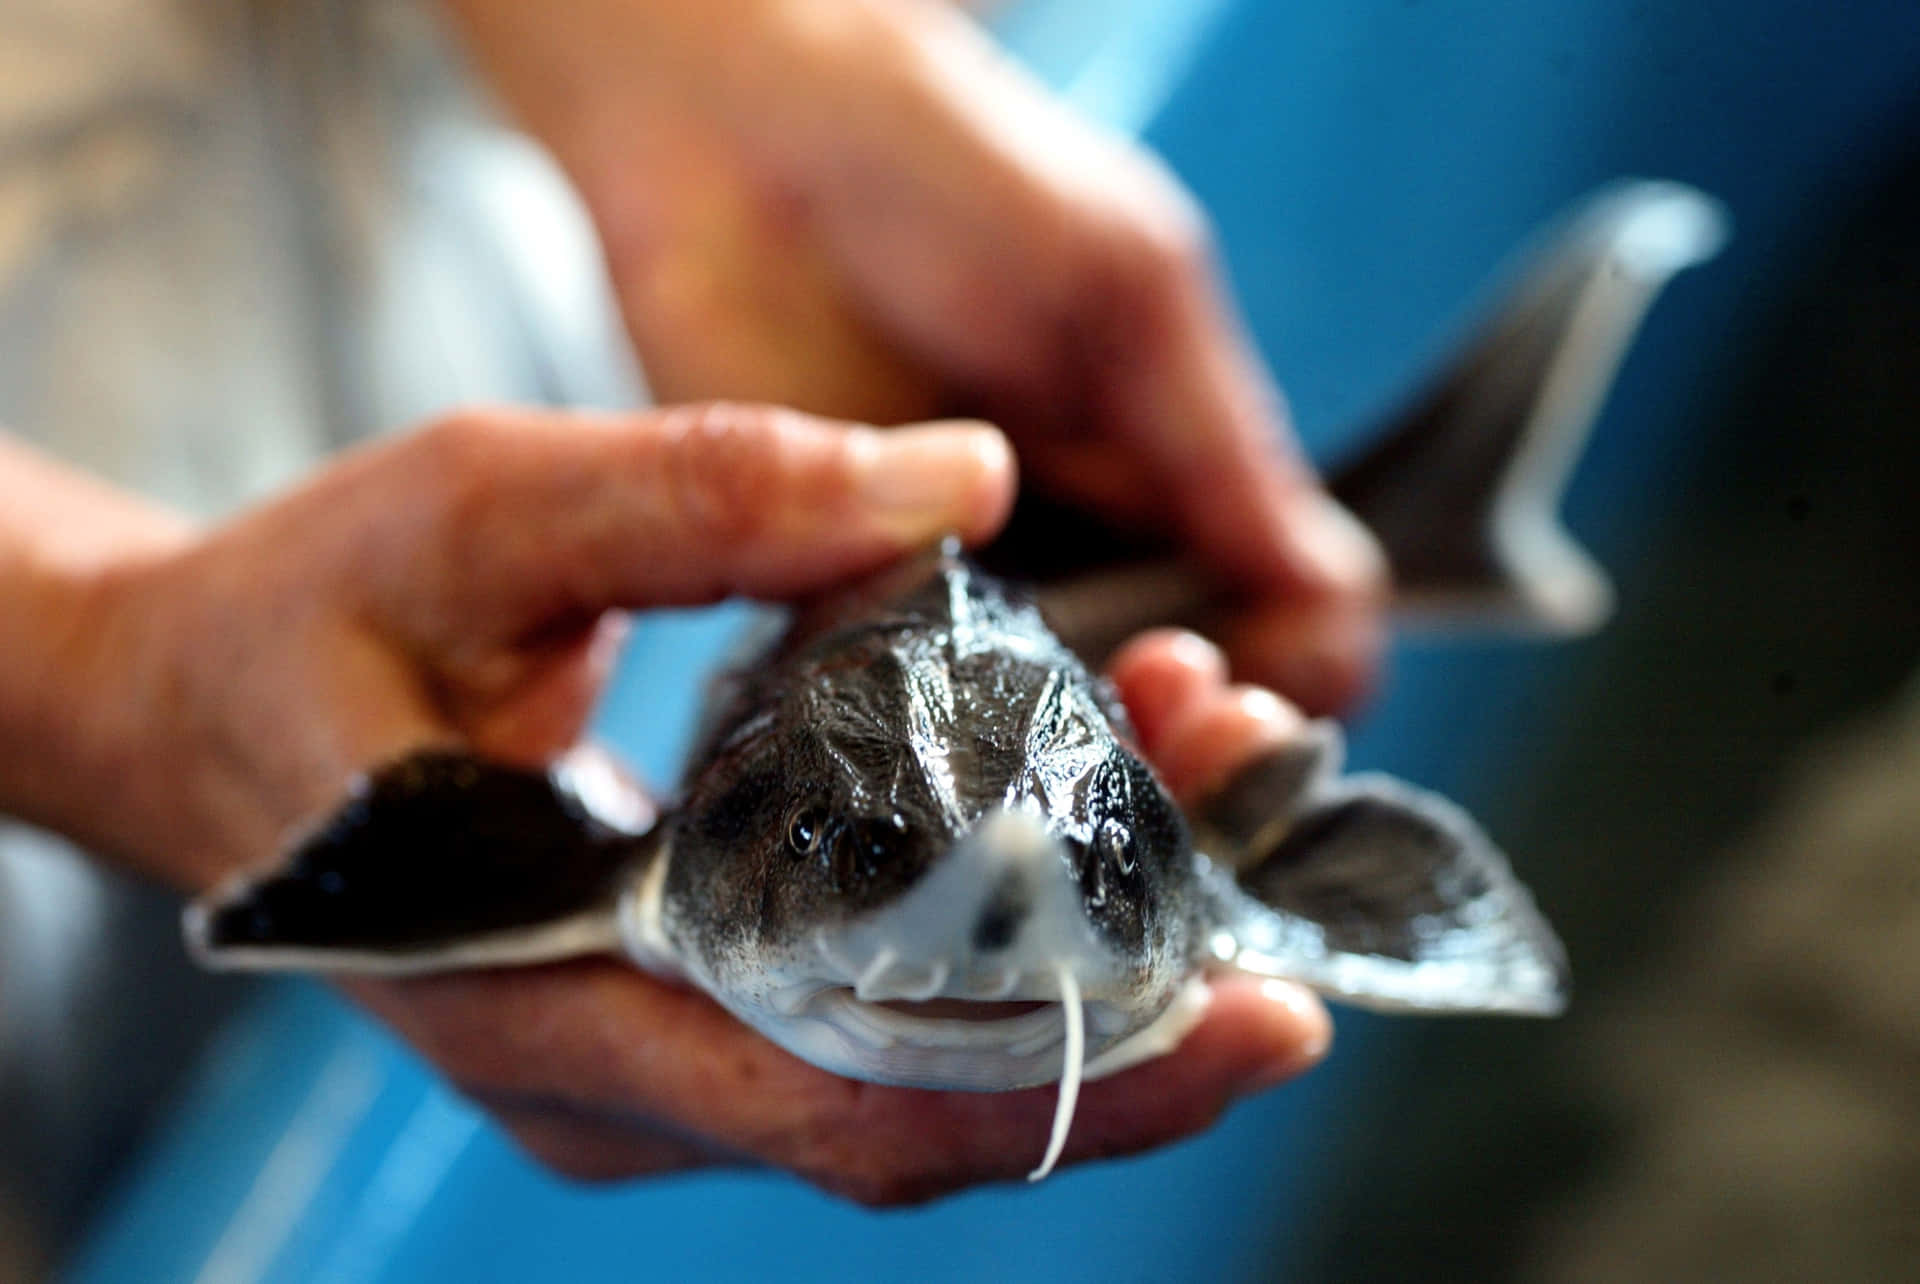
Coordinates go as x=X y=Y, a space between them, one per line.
x=604 y=1073
x=861 y=208
x=456 y=586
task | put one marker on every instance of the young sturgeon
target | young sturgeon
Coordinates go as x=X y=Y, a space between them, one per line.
x=918 y=845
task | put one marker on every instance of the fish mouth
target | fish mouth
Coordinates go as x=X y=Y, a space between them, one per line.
x=949 y=1043
x=961 y=1009
x=967 y=1033
x=954 y=1039
x=1020 y=1039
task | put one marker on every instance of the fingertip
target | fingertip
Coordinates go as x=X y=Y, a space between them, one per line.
x=1325 y=658
x=1217 y=734
x=1167 y=648
x=1160 y=673
x=1308 y=1024
x=926 y=480
x=1283 y=1028
x=996 y=479
x=1328 y=552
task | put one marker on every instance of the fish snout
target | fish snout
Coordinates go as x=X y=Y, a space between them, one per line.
x=994 y=918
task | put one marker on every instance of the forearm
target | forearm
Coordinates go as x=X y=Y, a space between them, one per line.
x=597 y=80
x=553 y=64
x=63 y=535
x=746 y=162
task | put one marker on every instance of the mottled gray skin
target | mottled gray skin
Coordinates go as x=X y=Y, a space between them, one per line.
x=882 y=728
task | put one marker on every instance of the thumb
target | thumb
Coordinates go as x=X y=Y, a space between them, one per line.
x=519 y=524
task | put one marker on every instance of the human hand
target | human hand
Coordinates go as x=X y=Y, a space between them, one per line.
x=604 y=1073
x=858 y=207
x=453 y=587
x=459 y=585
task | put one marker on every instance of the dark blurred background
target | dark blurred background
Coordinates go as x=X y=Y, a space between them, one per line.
x=1717 y=799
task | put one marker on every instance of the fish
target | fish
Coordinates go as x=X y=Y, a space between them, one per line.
x=917 y=842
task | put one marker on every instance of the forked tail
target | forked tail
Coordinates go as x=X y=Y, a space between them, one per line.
x=1463 y=489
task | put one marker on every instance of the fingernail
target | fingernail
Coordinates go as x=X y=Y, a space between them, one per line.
x=933 y=478
x=1316 y=1029
x=1333 y=550
x=1193 y=652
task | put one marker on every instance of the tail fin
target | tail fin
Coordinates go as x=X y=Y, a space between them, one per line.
x=1463 y=489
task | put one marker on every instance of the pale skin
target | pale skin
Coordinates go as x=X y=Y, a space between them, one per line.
x=177 y=698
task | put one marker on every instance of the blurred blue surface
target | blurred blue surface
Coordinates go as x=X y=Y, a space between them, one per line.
x=1369 y=164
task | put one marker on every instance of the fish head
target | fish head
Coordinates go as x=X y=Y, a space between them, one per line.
x=911 y=859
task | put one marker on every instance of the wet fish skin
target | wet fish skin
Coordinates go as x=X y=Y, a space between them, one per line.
x=924 y=793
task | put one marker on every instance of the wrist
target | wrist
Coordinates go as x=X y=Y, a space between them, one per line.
x=66 y=731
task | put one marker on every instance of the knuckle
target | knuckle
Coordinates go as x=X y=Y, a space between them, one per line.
x=1184 y=233
x=1150 y=270
x=456 y=462
x=1169 y=249
x=1155 y=224
x=725 y=469
x=452 y=444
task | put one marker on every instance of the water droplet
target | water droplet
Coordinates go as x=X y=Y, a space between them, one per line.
x=1116 y=842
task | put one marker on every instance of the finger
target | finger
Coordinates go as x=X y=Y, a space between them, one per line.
x=1197 y=730
x=1323 y=657
x=1160 y=674
x=596 y=1146
x=521 y=522
x=1258 y=1033
x=1195 y=399
x=609 y=1038
x=898 y=1146
x=711 y=254
x=545 y=695
x=1217 y=735
x=596 y=1152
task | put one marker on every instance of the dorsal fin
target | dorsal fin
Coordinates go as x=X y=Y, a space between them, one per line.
x=1464 y=488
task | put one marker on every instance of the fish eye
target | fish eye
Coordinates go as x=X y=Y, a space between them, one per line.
x=806 y=831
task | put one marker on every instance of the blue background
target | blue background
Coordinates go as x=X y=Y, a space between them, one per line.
x=1368 y=163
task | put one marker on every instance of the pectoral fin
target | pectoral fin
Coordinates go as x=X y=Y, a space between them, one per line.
x=439 y=861
x=1390 y=897
x=1252 y=814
